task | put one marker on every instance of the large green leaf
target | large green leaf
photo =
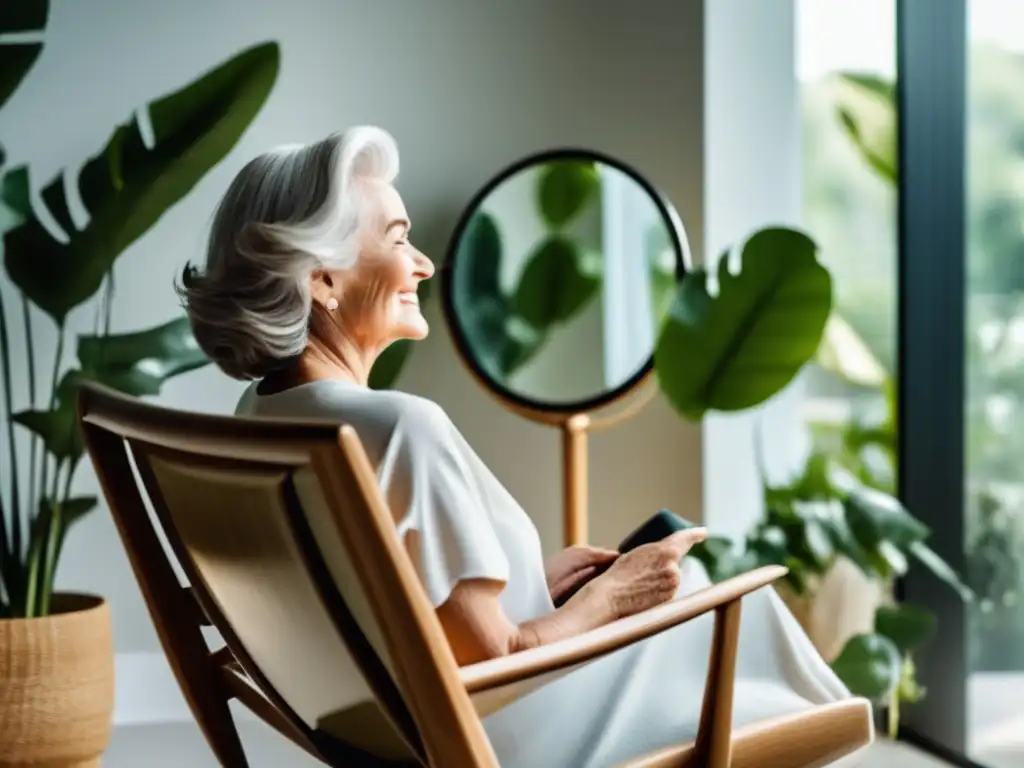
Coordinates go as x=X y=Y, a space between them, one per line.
x=866 y=107
x=908 y=626
x=57 y=427
x=24 y=16
x=735 y=350
x=134 y=363
x=875 y=517
x=139 y=363
x=17 y=58
x=940 y=569
x=557 y=282
x=869 y=665
x=14 y=192
x=564 y=189
x=127 y=187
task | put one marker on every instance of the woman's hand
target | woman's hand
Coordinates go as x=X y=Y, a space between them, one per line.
x=644 y=577
x=574 y=566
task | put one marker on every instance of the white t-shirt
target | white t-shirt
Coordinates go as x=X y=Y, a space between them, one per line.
x=469 y=526
x=628 y=703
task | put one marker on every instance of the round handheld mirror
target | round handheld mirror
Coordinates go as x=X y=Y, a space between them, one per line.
x=559 y=275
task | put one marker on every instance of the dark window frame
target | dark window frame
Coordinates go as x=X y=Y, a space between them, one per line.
x=931 y=46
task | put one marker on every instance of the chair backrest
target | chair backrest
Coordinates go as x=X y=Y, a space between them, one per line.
x=292 y=554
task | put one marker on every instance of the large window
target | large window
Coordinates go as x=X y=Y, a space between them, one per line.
x=850 y=209
x=994 y=460
x=950 y=329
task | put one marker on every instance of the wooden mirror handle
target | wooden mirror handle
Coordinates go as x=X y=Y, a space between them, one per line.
x=575 y=481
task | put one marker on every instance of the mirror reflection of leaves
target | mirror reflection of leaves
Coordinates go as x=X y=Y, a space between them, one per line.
x=562 y=275
x=506 y=329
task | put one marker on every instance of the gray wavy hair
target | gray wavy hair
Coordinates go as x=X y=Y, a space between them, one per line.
x=288 y=212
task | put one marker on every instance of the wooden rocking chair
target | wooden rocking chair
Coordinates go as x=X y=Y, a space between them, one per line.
x=292 y=555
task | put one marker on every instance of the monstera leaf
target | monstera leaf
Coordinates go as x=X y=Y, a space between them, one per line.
x=735 y=350
x=16 y=59
x=558 y=280
x=564 y=189
x=866 y=106
x=139 y=363
x=134 y=363
x=56 y=427
x=128 y=186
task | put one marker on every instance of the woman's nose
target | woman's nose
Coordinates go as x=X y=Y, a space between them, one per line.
x=424 y=266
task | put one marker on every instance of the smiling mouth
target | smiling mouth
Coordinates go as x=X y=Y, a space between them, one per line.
x=409 y=297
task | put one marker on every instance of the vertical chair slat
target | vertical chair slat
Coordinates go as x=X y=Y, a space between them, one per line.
x=172 y=615
x=714 y=733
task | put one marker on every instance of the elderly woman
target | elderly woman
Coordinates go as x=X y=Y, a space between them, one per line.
x=310 y=275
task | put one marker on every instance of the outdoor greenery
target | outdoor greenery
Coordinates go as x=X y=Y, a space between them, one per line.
x=125 y=188
x=735 y=350
x=850 y=199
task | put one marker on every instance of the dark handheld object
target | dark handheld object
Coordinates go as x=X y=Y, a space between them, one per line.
x=660 y=525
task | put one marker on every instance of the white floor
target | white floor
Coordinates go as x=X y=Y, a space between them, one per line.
x=180 y=745
x=996 y=724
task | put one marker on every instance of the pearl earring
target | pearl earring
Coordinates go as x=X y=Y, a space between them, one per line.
x=332 y=304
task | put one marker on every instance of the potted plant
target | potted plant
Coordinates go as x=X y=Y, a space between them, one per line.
x=735 y=350
x=56 y=648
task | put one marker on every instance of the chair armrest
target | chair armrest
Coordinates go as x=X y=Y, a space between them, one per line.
x=573 y=651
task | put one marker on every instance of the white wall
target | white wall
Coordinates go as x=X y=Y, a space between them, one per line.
x=752 y=179
x=466 y=87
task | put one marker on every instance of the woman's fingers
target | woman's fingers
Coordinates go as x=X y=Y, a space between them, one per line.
x=599 y=555
x=573 y=580
x=680 y=542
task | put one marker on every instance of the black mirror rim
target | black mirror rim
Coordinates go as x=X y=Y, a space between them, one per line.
x=458 y=335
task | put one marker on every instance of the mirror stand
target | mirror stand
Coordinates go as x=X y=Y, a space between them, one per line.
x=575 y=432
x=575 y=479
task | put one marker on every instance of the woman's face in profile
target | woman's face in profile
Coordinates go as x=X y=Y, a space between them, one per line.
x=377 y=297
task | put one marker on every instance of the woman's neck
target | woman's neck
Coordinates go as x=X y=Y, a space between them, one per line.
x=318 y=362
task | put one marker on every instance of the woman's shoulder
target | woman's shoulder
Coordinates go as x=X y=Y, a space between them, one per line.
x=347 y=402
x=416 y=412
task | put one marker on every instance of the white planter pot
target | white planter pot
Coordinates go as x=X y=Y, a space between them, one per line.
x=842 y=604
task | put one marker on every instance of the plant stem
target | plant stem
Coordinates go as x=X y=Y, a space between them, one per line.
x=30 y=353
x=11 y=550
x=894 y=713
x=37 y=537
x=55 y=381
x=48 y=562
x=55 y=543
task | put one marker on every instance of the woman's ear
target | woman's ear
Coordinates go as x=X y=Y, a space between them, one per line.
x=320 y=285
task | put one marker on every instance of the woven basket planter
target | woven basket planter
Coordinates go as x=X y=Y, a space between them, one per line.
x=57 y=685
